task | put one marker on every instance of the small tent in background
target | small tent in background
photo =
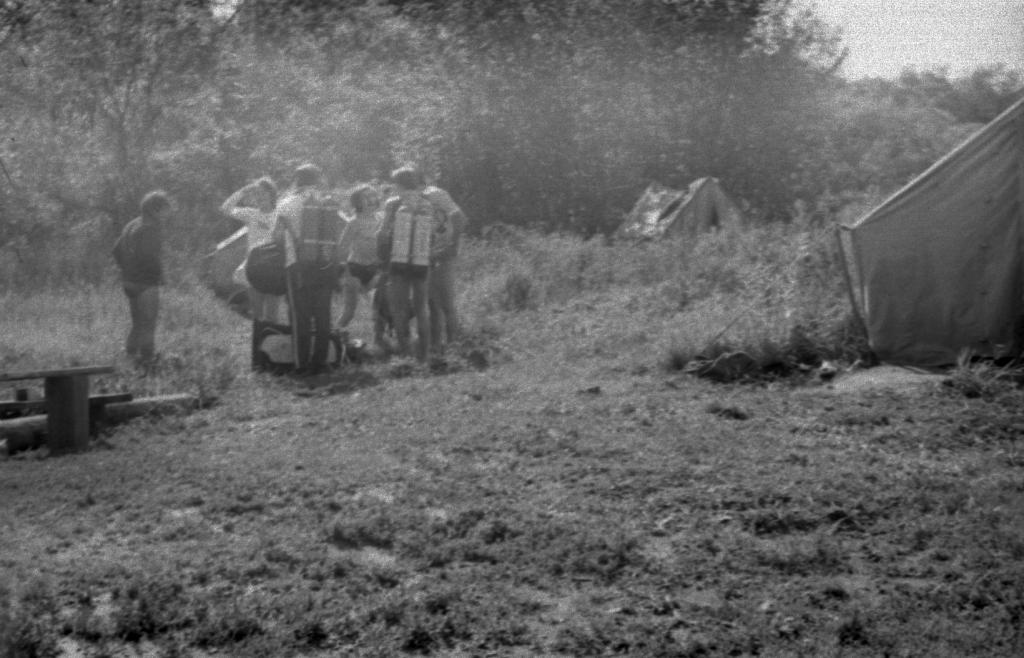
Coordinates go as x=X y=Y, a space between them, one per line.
x=218 y=269
x=661 y=211
x=938 y=268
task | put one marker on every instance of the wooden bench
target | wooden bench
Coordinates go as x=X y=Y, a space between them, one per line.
x=67 y=404
x=14 y=408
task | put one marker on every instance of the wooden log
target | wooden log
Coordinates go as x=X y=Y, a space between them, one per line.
x=31 y=431
x=22 y=404
x=14 y=408
x=159 y=405
x=25 y=433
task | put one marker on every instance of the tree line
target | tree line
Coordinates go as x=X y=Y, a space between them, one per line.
x=535 y=113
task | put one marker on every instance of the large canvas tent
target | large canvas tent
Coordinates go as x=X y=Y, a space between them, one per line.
x=936 y=269
x=662 y=211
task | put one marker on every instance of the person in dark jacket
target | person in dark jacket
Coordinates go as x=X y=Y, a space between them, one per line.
x=138 y=252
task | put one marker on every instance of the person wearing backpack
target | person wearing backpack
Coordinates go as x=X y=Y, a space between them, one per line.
x=138 y=254
x=405 y=241
x=254 y=206
x=310 y=226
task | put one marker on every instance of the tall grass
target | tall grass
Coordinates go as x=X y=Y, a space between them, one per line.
x=81 y=254
x=775 y=292
x=203 y=346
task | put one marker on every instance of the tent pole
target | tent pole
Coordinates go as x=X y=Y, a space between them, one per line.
x=1018 y=339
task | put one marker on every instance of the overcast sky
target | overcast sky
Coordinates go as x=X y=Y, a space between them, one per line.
x=885 y=36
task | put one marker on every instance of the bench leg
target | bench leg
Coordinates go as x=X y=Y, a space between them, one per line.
x=67 y=412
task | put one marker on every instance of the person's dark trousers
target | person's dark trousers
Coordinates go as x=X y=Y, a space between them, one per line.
x=144 y=307
x=309 y=304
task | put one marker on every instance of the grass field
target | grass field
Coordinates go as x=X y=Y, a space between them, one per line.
x=577 y=496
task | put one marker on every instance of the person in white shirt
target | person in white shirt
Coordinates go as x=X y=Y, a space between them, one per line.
x=359 y=250
x=444 y=321
x=253 y=205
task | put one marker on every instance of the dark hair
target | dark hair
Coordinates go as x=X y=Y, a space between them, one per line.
x=307 y=175
x=408 y=177
x=266 y=184
x=154 y=202
x=358 y=197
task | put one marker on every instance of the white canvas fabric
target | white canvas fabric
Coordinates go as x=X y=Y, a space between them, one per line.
x=220 y=267
x=937 y=267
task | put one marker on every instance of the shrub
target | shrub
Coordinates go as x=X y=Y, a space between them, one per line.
x=26 y=620
x=516 y=295
x=981 y=379
x=774 y=292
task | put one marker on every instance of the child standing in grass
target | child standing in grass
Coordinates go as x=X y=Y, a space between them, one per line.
x=138 y=253
x=259 y=222
x=405 y=239
x=359 y=248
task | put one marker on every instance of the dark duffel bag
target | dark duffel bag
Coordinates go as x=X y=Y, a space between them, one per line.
x=272 y=348
x=264 y=268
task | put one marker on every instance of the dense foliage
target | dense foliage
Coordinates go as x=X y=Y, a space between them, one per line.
x=552 y=115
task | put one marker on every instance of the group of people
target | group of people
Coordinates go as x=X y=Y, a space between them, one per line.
x=403 y=247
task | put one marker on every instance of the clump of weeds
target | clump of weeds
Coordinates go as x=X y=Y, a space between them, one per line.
x=983 y=379
x=26 y=620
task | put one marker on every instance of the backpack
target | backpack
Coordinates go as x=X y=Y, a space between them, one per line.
x=264 y=268
x=411 y=227
x=319 y=232
x=272 y=348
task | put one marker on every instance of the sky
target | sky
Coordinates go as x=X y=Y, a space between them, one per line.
x=886 y=36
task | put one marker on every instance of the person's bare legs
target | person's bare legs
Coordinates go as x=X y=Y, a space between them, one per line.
x=350 y=289
x=436 y=318
x=419 y=301
x=144 y=307
x=444 y=323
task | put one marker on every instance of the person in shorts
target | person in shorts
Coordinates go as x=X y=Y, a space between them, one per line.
x=254 y=205
x=138 y=253
x=359 y=249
